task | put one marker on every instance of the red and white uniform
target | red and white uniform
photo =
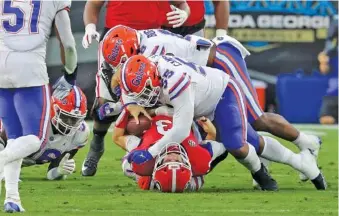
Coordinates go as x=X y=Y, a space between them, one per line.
x=198 y=156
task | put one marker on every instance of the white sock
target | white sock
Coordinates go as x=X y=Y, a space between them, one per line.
x=275 y=151
x=302 y=141
x=251 y=161
x=20 y=148
x=12 y=175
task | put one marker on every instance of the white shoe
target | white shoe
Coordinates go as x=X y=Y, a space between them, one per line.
x=309 y=165
x=12 y=205
x=314 y=146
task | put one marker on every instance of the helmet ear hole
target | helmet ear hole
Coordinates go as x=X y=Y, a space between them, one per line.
x=132 y=50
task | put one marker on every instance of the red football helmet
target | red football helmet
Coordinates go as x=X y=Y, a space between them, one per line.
x=68 y=113
x=120 y=43
x=172 y=171
x=141 y=81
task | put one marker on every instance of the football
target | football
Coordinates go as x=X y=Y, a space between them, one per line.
x=133 y=128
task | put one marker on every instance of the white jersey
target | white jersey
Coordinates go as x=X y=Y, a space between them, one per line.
x=192 y=48
x=208 y=84
x=25 y=27
x=57 y=144
x=161 y=42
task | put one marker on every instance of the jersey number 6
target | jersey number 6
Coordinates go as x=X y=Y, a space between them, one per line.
x=19 y=23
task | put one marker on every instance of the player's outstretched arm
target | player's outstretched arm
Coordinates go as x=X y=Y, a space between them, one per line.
x=64 y=30
x=91 y=16
x=182 y=120
x=62 y=166
x=221 y=13
x=126 y=142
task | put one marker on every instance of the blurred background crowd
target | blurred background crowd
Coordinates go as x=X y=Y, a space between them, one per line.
x=293 y=62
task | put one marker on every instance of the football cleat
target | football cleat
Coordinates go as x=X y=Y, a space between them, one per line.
x=320 y=182
x=265 y=181
x=13 y=206
x=90 y=164
x=266 y=163
x=313 y=146
x=311 y=171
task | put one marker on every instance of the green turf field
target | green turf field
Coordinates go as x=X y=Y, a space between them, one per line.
x=227 y=191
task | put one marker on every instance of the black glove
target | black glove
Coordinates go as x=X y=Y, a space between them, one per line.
x=107 y=73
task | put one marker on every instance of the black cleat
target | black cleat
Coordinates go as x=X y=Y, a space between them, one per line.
x=90 y=164
x=264 y=179
x=320 y=182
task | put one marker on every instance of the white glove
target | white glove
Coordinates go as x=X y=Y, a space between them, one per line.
x=90 y=33
x=176 y=17
x=220 y=32
x=164 y=110
x=66 y=166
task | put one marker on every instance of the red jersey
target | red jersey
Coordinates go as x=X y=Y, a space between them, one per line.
x=199 y=157
x=197 y=13
x=135 y=14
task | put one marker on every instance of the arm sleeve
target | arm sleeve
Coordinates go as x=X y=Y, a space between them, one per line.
x=63 y=25
x=183 y=105
x=52 y=173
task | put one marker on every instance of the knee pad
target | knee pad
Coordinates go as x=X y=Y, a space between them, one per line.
x=32 y=140
x=99 y=133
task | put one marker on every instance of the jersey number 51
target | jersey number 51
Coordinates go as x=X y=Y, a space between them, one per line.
x=9 y=8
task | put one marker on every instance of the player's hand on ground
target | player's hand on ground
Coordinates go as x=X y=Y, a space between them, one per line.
x=139 y=156
x=207 y=126
x=109 y=109
x=90 y=34
x=176 y=17
x=66 y=165
x=135 y=110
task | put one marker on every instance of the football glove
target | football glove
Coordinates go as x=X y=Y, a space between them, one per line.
x=139 y=156
x=90 y=33
x=109 y=109
x=64 y=84
x=66 y=165
x=176 y=17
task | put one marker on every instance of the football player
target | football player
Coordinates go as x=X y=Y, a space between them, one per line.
x=196 y=21
x=224 y=53
x=24 y=92
x=193 y=155
x=138 y=15
x=195 y=91
x=68 y=132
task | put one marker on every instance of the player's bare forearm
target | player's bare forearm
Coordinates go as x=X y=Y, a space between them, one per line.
x=92 y=10
x=118 y=137
x=221 y=12
x=181 y=4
